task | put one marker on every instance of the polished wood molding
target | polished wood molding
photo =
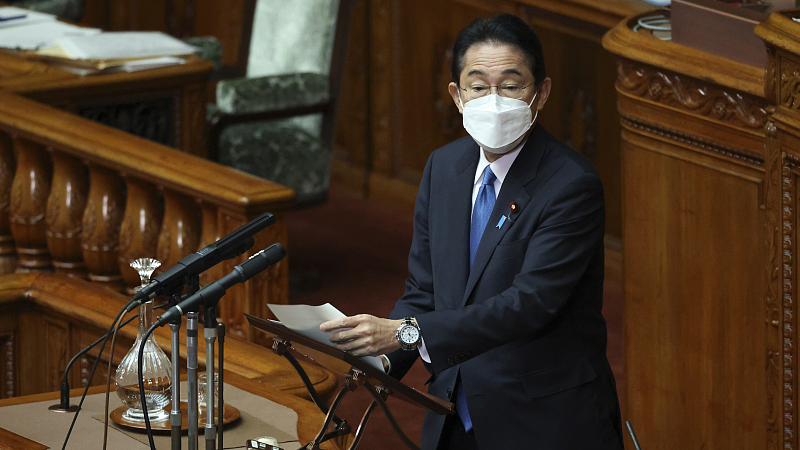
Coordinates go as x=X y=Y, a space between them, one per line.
x=689 y=97
x=665 y=55
x=695 y=96
x=14 y=441
x=72 y=306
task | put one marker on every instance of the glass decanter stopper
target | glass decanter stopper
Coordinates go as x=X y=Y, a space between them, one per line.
x=156 y=366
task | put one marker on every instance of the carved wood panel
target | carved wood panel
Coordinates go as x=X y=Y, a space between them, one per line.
x=782 y=88
x=731 y=107
x=773 y=308
x=149 y=118
x=8 y=365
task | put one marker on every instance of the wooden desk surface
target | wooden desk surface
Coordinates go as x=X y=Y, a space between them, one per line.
x=171 y=101
x=309 y=417
x=38 y=80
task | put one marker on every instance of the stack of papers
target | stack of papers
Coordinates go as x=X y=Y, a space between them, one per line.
x=87 y=51
x=123 y=45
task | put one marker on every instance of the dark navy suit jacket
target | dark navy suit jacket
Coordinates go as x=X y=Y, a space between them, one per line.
x=524 y=326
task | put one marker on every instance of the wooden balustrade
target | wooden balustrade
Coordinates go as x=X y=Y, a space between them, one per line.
x=87 y=199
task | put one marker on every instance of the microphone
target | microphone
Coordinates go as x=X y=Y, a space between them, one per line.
x=633 y=435
x=230 y=246
x=211 y=294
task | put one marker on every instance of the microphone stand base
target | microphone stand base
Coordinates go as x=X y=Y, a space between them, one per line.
x=59 y=409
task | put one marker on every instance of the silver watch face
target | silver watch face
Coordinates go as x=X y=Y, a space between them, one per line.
x=409 y=334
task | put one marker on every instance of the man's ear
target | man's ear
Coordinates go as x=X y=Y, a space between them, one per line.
x=453 y=89
x=544 y=93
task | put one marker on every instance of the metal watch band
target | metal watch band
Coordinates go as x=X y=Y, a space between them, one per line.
x=409 y=322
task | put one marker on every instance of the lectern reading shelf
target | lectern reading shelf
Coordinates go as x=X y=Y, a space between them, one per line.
x=361 y=373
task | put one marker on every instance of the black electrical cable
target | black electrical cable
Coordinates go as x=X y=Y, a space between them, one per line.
x=140 y=367
x=97 y=361
x=108 y=385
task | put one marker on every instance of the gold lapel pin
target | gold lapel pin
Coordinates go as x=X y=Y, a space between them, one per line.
x=514 y=207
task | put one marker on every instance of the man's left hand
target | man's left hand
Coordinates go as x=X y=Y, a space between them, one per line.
x=363 y=335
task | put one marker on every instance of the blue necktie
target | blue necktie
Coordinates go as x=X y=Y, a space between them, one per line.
x=484 y=204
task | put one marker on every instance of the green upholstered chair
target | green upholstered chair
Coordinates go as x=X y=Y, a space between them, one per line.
x=65 y=9
x=278 y=122
x=208 y=47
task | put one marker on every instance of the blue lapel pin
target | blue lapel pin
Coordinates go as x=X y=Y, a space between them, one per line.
x=501 y=222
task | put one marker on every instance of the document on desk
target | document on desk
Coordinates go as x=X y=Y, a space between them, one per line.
x=306 y=319
x=11 y=16
x=38 y=35
x=124 y=44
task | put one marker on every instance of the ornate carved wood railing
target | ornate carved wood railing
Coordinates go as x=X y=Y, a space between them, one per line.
x=84 y=200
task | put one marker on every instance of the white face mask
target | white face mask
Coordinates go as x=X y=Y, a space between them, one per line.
x=497 y=123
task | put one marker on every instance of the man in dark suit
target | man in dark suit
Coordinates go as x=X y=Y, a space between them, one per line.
x=504 y=297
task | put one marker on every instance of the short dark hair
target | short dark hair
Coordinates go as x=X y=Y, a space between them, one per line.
x=501 y=29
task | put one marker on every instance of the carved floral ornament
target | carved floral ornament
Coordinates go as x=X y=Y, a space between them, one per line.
x=690 y=94
x=790 y=84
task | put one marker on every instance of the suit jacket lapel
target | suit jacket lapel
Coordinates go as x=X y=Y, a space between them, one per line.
x=459 y=208
x=521 y=173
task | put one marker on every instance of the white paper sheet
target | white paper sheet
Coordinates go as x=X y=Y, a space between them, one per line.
x=39 y=35
x=124 y=44
x=306 y=319
x=11 y=16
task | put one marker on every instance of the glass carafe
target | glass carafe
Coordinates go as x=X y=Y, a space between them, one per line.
x=156 y=366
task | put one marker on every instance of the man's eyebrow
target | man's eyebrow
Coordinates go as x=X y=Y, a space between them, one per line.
x=505 y=72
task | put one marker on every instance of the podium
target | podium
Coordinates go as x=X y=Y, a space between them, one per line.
x=379 y=384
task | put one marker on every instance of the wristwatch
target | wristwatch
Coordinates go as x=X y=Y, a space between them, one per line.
x=408 y=334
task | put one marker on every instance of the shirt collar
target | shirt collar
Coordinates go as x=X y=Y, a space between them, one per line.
x=500 y=167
